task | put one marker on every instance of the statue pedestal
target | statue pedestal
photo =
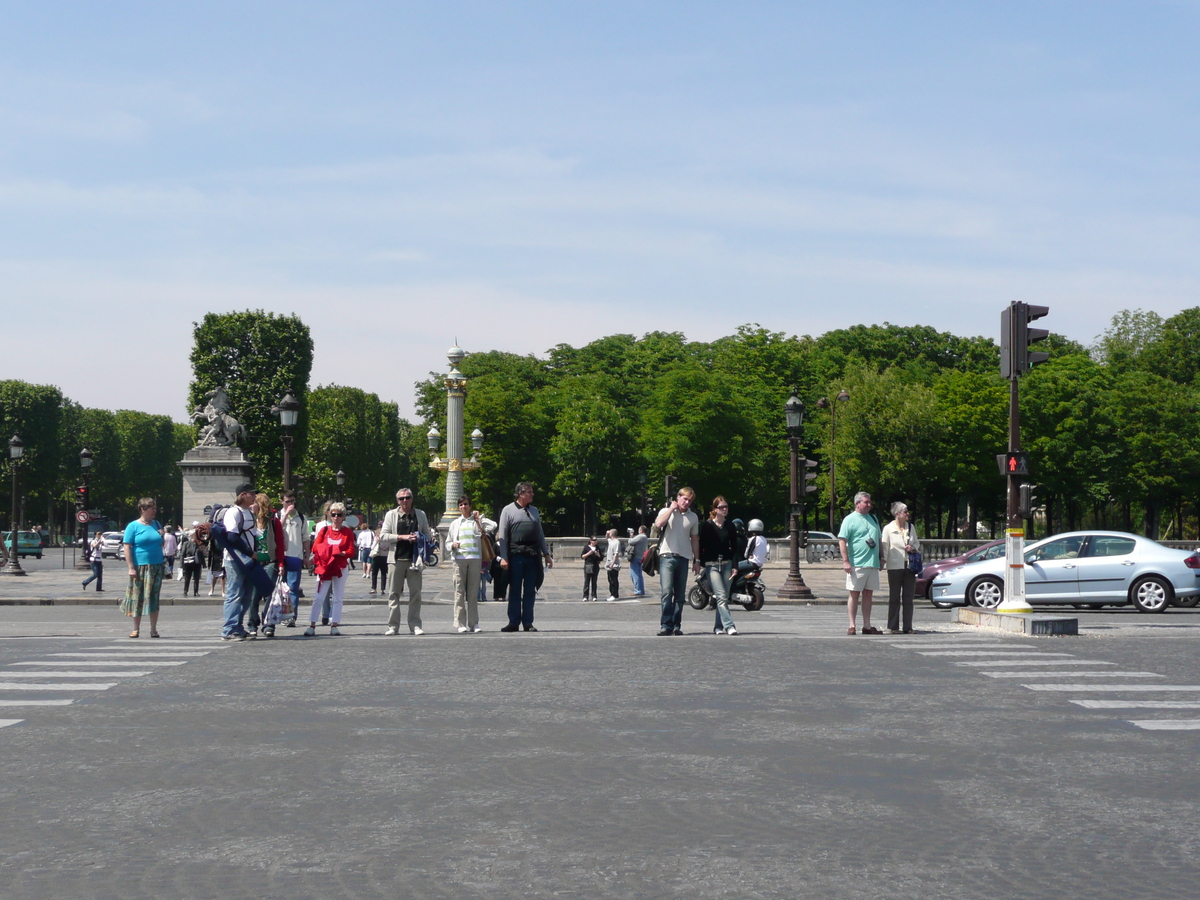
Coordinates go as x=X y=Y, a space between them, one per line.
x=209 y=476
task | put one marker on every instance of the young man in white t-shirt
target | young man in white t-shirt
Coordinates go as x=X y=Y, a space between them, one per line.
x=241 y=532
x=680 y=545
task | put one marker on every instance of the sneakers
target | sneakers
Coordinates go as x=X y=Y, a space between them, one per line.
x=333 y=631
x=390 y=632
x=310 y=631
x=718 y=631
x=418 y=630
x=463 y=629
x=252 y=634
x=233 y=637
x=678 y=632
x=587 y=599
x=477 y=629
x=290 y=623
x=611 y=600
x=324 y=620
x=731 y=630
x=664 y=632
x=510 y=628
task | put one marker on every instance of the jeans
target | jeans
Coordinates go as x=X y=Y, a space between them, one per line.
x=718 y=577
x=97 y=574
x=673 y=574
x=237 y=595
x=637 y=576
x=257 y=599
x=522 y=588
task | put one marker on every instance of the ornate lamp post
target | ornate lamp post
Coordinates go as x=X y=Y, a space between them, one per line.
x=794 y=587
x=454 y=465
x=826 y=403
x=16 y=449
x=85 y=503
x=288 y=410
x=341 y=484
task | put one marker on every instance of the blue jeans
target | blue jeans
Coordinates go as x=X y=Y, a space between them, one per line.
x=522 y=588
x=237 y=595
x=97 y=574
x=718 y=577
x=673 y=573
x=293 y=567
x=637 y=576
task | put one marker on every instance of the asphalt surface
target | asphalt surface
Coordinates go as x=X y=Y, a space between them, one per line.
x=593 y=759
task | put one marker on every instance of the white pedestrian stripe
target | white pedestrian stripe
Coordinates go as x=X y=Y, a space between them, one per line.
x=4 y=702
x=4 y=723
x=124 y=673
x=1022 y=653
x=65 y=686
x=148 y=654
x=1157 y=688
x=1107 y=674
x=1138 y=704
x=989 y=663
x=1167 y=724
x=107 y=664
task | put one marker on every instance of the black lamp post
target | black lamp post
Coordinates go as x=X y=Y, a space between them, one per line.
x=85 y=503
x=642 y=496
x=341 y=484
x=826 y=403
x=16 y=449
x=794 y=587
x=288 y=410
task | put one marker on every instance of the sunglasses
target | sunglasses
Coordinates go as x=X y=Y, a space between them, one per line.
x=337 y=515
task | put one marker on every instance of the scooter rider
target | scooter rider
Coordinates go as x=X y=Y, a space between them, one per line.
x=756 y=548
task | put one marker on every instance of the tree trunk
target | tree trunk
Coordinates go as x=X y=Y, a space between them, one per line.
x=971 y=516
x=1150 y=520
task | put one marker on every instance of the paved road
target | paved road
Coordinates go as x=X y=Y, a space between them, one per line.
x=593 y=759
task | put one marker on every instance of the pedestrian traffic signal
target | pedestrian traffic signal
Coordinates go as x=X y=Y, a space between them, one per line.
x=81 y=497
x=809 y=476
x=1014 y=462
x=1025 y=504
x=1015 y=337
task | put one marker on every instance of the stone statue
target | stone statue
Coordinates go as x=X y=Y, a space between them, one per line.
x=218 y=427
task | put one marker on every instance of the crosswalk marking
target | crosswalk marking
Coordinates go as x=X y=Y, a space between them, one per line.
x=991 y=663
x=1167 y=724
x=148 y=654
x=107 y=664
x=124 y=673
x=1023 y=653
x=1105 y=674
x=4 y=702
x=4 y=723
x=1138 y=704
x=1158 y=688
x=18 y=686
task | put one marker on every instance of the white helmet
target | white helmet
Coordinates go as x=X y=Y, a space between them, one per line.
x=755 y=526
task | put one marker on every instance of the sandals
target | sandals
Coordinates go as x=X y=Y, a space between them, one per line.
x=155 y=634
x=133 y=634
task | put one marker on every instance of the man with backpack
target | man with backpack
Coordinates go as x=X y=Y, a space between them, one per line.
x=405 y=527
x=240 y=534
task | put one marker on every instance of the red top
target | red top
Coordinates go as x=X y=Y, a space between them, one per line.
x=331 y=550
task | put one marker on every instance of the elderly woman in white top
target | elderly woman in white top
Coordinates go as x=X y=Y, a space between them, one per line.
x=899 y=539
x=466 y=547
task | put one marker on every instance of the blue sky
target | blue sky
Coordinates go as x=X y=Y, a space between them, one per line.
x=523 y=174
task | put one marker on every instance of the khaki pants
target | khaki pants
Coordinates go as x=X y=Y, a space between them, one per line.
x=404 y=574
x=466 y=592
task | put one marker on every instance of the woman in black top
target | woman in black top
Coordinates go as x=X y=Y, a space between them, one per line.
x=719 y=550
x=591 y=570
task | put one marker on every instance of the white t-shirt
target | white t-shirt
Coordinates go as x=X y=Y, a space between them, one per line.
x=756 y=550
x=678 y=532
x=239 y=525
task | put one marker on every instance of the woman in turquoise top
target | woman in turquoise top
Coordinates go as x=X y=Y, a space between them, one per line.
x=144 y=556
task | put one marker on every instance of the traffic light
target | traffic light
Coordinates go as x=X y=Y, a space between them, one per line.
x=1014 y=462
x=1025 y=504
x=1015 y=337
x=669 y=484
x=81 y=497
x=809 y=476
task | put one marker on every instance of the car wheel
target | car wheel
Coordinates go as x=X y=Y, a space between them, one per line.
x=696 y=598
x=986 y=592
x=1151 y=594
x=1188 y=602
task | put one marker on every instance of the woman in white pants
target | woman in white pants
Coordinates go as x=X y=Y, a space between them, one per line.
x=331 y=552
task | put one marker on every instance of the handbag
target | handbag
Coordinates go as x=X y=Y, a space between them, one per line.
x=915 y=561
x=487 y=551
x=650 y=560
x=280 y=606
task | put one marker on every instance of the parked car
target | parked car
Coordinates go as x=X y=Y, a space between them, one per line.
x=1082 y=568
x=110 y=544
x=990 y=550
x=29 y=543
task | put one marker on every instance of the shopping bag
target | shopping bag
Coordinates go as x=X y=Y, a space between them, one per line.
x=280 y=607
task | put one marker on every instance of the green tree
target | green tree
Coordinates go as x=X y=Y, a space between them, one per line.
x=33 y=411
x=257 y=357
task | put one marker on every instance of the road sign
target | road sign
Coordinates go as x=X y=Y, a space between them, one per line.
x=83 y=516
x=1014 y=462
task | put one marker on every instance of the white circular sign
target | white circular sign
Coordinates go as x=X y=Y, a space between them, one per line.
x=83 y=516
x=352 y=521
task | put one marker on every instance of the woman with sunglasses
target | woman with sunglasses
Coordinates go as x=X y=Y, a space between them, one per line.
x=331 y=552
x=719 y=550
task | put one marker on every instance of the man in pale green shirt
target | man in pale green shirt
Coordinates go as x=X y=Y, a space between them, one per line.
x=859 y=539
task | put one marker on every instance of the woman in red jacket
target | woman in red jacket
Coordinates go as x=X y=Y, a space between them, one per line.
x=332 y=551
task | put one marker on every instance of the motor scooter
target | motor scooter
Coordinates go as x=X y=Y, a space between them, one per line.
x=745 y=588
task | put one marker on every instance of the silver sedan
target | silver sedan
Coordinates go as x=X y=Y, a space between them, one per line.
x=1082 y=568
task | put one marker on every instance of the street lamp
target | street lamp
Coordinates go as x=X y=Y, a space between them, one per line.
x=642 y=496
x=16 y=449
x=826 y=403
x=794 y=587
x=85 y=503
x=341 y=484
x=288 y=410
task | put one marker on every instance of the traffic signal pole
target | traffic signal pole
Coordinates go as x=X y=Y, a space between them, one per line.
x=1014 y=543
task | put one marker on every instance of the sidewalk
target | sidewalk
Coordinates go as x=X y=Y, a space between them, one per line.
x=49 y=584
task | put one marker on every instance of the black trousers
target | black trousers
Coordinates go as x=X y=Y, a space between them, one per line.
x=901 y=584
x=589 y=584
x=191 y=575
x=614 y=582
x=379 y=570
